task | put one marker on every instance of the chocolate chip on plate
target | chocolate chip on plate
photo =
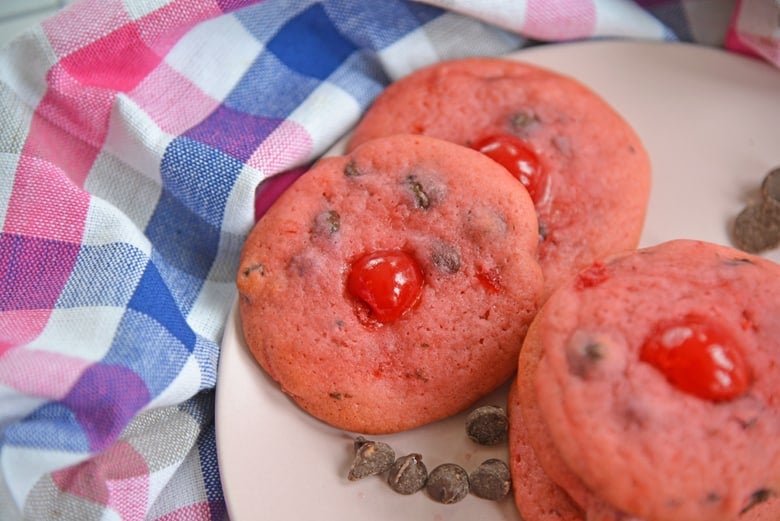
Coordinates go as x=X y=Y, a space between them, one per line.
x=408 y=474
x=371 y=458
x=448 y=483
x=757 y=228
x=487 y=425
x=491 y=480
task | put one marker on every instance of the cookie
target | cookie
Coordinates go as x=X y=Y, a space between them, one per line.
x=536 y=495
x=650 y=384
x=587 y=170
x=393 y=286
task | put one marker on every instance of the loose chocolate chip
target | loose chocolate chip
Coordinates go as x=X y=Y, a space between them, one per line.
x=371 y=458
x=446 y=258
x=756 y=228
x=448 y=483
x=351 y=169
x=491 y=480
x=770 y=187
x=421 y=199
x=407 y=474
x=487 y=425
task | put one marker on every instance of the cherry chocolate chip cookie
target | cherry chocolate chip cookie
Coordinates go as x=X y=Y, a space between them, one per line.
x=393 y=286
x=585 y=167
x=648 y=387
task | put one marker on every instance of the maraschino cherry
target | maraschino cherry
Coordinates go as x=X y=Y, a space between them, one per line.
x=389 y=282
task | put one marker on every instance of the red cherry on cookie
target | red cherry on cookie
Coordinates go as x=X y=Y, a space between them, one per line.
x=518 y=158
x=699 y=357
x=389 y=282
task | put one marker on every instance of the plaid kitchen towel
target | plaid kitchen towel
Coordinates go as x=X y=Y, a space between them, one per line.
x=133 y=134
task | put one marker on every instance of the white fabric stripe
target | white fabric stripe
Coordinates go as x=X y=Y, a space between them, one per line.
x=159 y=479
x=509 y=15
x=220 y=44
x=207 y=316
x=24 y=65
x=186 y=487
x=28 y=465
x=625 y=18
x=183 y=387
x=327 y=113
x=8 y=164
x=113 y=184
x=408 y=54
x=109 y=514
x=138 y=9
x=239 y=214
x=454 y=36
x=16 y=406
x=16 y=117
x=134 y=138
x=67 y=328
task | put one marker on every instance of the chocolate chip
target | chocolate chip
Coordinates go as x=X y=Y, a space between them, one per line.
x=448 y=483
x=371 y=458
x=757 y=497
x=584 y=357
x=351 y=169
x=446 y=258
x=757 y=228
x=254 y=268
x=421 y=199
x=327 y=222
x=523 y=123
x=543 y=232
x=770 y=187
x=487 y=425
x=491 y=480
x=407 y=474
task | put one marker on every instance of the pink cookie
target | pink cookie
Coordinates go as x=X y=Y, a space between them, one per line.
x=593 y=182
x=538 y=498
x=349 y=358
x=651 y=385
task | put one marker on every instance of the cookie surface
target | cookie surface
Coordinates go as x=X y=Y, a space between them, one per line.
x=474 y=242
x=619 y=425
x=595 y=172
